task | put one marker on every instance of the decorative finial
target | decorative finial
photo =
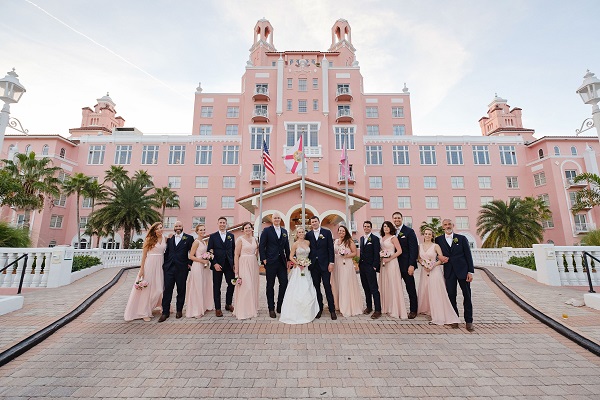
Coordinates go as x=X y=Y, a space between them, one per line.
x=405 y=88
x=199 y=88
x=107 y=95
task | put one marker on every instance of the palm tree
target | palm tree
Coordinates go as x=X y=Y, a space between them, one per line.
x=587 y=197
x=143 y=176
x=37 y=180
x=128 y=207
x=76 y=184
x=95 y=191
x=512 y=224
x=435 y=225
x=166 y=198
x=115 y=174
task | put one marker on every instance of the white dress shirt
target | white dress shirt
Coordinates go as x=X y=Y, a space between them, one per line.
x=278 y=231
x=177 y=239
x=449 y=240
x=223 y=234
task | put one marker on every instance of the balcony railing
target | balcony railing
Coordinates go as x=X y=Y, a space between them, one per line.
x=256 y=176
x=572 y=184
x=582 y=227
x=309 y=151
x=344 y=115
x=260 y=115
x=341 y=177
x=343 y=94
x=261 y=93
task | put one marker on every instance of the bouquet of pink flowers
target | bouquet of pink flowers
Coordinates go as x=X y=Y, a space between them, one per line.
x=140 y=283
x=236 y=281
x=302 y=262
x=385 y=253
x=207 y=256
x=343 y=251
x=427 y=265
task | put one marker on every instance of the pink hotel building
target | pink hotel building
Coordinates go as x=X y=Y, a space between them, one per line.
x=318 y=94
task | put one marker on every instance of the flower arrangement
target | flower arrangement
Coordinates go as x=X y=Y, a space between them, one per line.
x=343 y=251
x=207 y=256
x=455 y=240
x=236 y=281
x=302 y=262
x=140 y=283
x=385 y=253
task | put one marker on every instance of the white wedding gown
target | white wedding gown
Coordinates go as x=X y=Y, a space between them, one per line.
x=300 y=302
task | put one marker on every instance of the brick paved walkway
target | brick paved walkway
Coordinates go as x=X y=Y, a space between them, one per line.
x=510 y=355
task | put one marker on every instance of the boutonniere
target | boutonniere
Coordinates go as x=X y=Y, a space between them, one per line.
x=321 y=237
x=183 y=238
x=229 y=238
x=455 y=240
x=284 y=235
x=400 y=234
x=369 y=239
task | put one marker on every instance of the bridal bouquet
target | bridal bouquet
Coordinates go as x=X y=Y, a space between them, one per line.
x=343 y=251
x=140 y=283
x=427 y=265
x=302 y=262
x=236 y=281
x=385 y=253
x=207 y=256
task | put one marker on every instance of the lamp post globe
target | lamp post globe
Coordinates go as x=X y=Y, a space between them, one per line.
x=11 y=91
x=589 y=91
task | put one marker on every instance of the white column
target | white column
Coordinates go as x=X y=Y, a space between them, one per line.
x=280 y=85
x=546 y=265
x=325 y=83
x=4 y=116
x=59 y=268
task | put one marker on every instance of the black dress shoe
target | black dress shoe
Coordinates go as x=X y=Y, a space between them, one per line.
x=333 y=316
x=367 y=311
x=178 y=314
x=412 y=315
x=229 y=307
x=218 y=313
x=454 y=325
x=469 y=327
x=278 y=310
x=376 y=315
x=163 y=318
x=272 y=314
x=319 y=314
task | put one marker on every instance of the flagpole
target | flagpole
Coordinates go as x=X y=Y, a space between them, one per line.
x=346 y=172
x=303 y=189
x=260 y=197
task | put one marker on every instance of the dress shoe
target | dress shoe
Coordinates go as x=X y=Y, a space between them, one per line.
x=218 y=313
x=319 y=314
x=147 y=319
x=278 y=310
x=412 y=315
x=469 y=326
x=376 y=315
x=367 y=311
x=333 y=316
x=163 y=317
x=272 y=314
x=454 y=326
x=229 y=307
x=178 y=314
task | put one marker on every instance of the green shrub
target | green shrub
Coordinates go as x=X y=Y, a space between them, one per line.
x=13 y=237
x=592 y=238
x=83 y=262
x=525 y=262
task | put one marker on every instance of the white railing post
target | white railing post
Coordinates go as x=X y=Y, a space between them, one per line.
x=59 y=266
x=546 y=264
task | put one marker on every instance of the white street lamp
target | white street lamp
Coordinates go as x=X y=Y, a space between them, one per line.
x=11 y=91
x=590 y=94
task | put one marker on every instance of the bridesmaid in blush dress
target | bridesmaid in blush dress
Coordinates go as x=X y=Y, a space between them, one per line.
x=390 y=280
x=349 y=295
x=433 y=297
x=246 y=267
x=199 y=291
x=142 y=302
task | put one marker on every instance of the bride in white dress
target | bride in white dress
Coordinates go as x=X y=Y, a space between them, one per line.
x=300 y=302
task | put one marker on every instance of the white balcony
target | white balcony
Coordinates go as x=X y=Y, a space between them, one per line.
x=572 y=184
x=343 y=94
x=583 y=227
x=344 y=115
x=261 y=93
x=260 y=115
x=256 y=176
x=341 y=177
x=309 y=151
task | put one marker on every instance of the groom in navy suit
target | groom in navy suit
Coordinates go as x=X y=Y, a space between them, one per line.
x=458 y=268
x=274 y=250
x=321 y=263
x=408 y=260
x=222 y=245
x=368 y=265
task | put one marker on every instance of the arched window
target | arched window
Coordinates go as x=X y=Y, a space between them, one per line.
x=45 y=150
x=28 y=149
x=62 y=152
x=541 y=153
x=11 y=148
x=573 y=151
x=556 y=151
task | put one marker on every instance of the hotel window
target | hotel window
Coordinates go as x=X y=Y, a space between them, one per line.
x=340 y=133
x=580 y=222
x=508 y=156
x=400 y=155
x=261 y=109
x=61 y=201
x=261 y=88
x=231 y=130
x=461 y=222
x=28 y=149
x=87 y=202
x=206 y=112
x=315 y=105
x=149 y=154
x=233 y=112
x=377 y=222
x=375 y=182
x=202 y=182
x=302 y=85
x=512 y=182
x=309 y=132
x=257 y=135
x=171 y=203
x=376 y=202
x=231 y=155
x=454 y=155
x=481 y=155
x=430 y=182
x=399 y=130
x=572 y=198
x=343 y=88
x=556 y=151
x=56 y=221
x=169 y=222
x=198 y=221
x=290 y=84
x=96 y=154
x=227 y=201
x=397 y=112
x=486 y=200
x=545 y=198
x=205 y=130
x=407 y=220
x=62 y=152
x=374 y=155
x=402 y=182
x=573 y=151
x=427 y=154
x=229 y=182
x=457 y=182
x=177 y=154
x=200 y=201
x=547 y=223
x=570 y=175
x=431 y=202
x=45 y=150
x=460 y=202
x=403 y=202
x=541 y=153
x=302 y=107
x=372 y=130
x=485 y=182
x=174 y=182
x=62 y=175
x=315 y=167
x=372 y=112
x=230 y=221
x=539 y=179
x=289 y=105
x=83 y=221
x=315 y=83
x=204 y=155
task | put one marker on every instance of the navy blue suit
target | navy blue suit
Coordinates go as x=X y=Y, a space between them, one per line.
x=223 y=252
x=275 y=251
x=368 y=266
x=460 y=263
x=410 y=251
x=321 y=255
x=175 y=270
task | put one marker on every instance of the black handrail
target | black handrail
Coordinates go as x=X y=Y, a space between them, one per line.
x=25 y=256
x=587 y=269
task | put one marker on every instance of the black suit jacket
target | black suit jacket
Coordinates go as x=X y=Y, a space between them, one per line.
x=223 y=251
x=369 y=252
x=178 y=256
x=410 y=248
x=459 y=256
x=321 y=251
x=272 y=248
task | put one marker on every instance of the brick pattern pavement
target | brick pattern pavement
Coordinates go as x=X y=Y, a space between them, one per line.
x=510 y=355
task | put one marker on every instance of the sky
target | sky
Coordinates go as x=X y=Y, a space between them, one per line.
x=150 y=56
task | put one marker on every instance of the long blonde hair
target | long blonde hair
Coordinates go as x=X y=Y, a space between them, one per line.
x=151 y=237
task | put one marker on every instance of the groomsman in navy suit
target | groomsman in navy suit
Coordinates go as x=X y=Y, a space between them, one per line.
x=222 y=245
x=458 y=268
x=274 y=250
x=368 y=265
x=408 y=260
x=322 y=258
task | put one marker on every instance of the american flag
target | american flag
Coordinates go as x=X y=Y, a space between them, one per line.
x=268 y=163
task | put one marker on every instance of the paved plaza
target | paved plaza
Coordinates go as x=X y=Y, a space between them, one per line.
x=510 y=354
